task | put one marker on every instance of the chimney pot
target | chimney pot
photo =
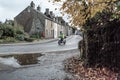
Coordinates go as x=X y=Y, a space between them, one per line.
x=47 y=11
x=32 y=4
x=38 y=8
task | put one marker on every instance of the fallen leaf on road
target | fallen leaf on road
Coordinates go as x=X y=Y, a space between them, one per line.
x=75 y=66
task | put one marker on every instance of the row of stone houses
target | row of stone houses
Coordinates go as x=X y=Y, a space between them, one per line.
x=44 y=24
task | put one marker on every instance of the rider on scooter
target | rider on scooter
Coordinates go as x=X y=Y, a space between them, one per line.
x=61 y=36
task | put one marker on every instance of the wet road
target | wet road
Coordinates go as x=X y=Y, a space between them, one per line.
x=71 y=43
x=50 y=64
x=50 y=67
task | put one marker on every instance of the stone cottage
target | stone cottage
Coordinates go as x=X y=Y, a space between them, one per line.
x=35 y=22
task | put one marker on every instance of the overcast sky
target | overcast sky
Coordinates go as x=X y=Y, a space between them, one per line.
x=11 y=8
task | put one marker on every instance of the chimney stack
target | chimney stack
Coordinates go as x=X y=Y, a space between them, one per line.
x=47 y=11
x=51 y=13
x=32 y=4
x=56 y=19
x=38 y=8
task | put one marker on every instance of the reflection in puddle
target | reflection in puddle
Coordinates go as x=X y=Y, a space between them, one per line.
x=25 y=59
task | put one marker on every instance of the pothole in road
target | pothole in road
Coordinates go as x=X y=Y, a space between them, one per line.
x=20 y=59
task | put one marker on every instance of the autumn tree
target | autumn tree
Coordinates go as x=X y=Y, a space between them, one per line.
x=81 y=10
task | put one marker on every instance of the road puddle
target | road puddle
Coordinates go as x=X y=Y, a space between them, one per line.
x=23 y=59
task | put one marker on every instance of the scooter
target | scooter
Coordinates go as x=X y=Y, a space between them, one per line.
x=62 y=42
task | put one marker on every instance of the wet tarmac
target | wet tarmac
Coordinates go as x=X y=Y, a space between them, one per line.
x=71 y=43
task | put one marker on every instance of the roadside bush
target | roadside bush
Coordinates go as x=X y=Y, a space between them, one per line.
x=18 y=33
x=26 y=35
x=33 y=36
x=8 y=39
x=19 y=37
x=29 y=39
x=18 y=30
x=38 y=36
x=1 y=33
x=1 y=40
x=9 y=33
x=8 y=30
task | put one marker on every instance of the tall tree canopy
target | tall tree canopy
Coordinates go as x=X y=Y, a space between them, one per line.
x=82 y=10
